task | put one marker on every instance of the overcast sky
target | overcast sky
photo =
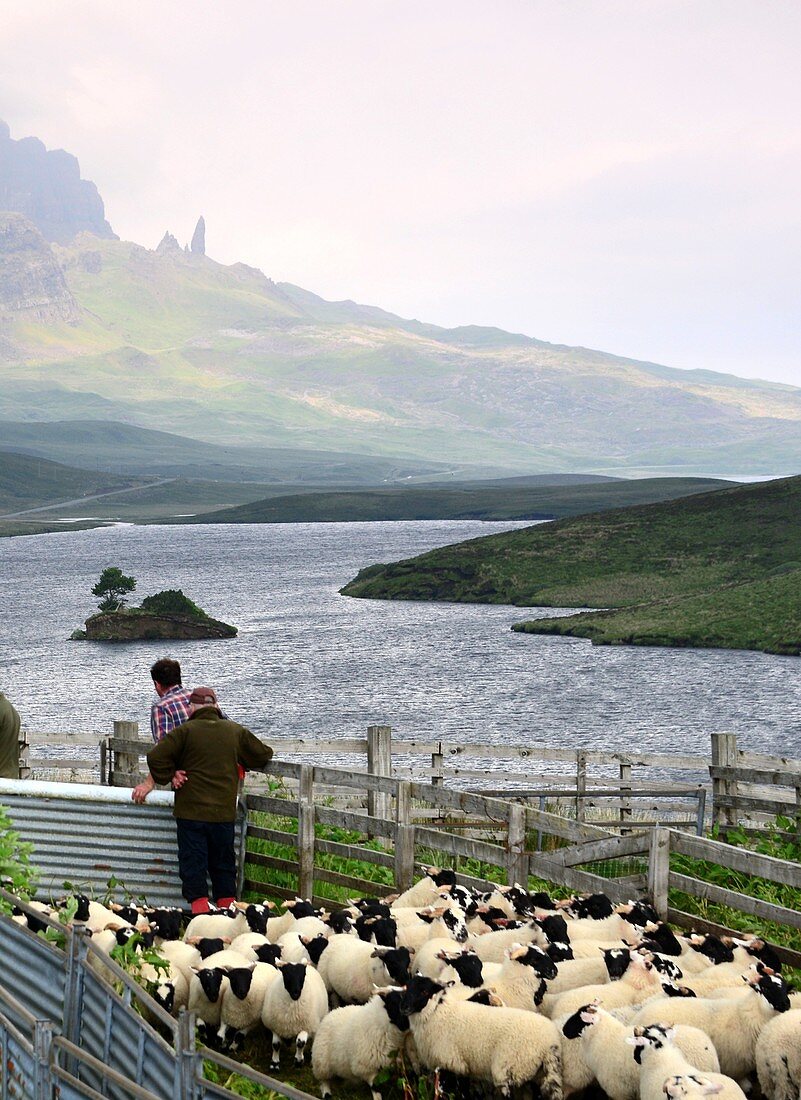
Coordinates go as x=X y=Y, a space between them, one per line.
x=621 y=174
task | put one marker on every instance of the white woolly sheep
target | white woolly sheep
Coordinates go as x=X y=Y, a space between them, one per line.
x=778 y=1056
x=640 y=980
x=659 y=1059
x=351 y=968
x=243 y=1001
x=225 y=925
x=690 y=1087
x=293 y=1008
x=505 y=1046
x=427 y=889
x=732 y=1024
x=596 y=1047
x=608 y=965
x=358 y=1041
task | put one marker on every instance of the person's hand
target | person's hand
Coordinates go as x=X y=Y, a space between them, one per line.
x=140 y=793
x=178 y=780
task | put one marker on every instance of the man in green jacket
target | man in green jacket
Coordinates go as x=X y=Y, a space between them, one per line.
x=9 y=740
x=202 y=759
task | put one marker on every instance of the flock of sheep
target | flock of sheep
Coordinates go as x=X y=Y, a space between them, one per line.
x=505 y=989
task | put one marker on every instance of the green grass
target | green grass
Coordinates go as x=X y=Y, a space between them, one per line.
x=494 y=501
x=716 y=569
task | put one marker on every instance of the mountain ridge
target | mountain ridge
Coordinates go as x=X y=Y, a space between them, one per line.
x=261 y=363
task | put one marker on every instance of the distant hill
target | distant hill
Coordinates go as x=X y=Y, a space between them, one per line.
x=126 y=448
x=96 y=328
x=718 y=569
x=495 y=500
x=26 y=482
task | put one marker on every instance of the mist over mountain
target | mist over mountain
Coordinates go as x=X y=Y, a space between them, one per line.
x=46 y=186
x=96 y=328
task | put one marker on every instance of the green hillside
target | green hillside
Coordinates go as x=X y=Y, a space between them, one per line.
x=177 y=342
x=27 y=482
x=129 y=449
x=675 y=567
x=492 y=501
x=763 y=614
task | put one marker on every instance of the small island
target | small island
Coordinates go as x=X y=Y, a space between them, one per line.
x=168 y=615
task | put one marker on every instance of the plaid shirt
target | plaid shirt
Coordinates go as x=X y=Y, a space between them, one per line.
x=171 y=710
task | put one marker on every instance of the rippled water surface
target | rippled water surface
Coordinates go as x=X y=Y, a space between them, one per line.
x=310 y=662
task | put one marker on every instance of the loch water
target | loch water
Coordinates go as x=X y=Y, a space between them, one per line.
x=309 y=662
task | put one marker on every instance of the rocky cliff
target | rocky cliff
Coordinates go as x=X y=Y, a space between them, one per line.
x=32 y=284
x=46 y=186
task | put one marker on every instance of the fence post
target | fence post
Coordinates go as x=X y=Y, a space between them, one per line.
x=404 y=837
x=437 y=761
x=24 y=748
x=126 y=762
x=379 y=762
x=42 y=1043
x=625 y=796
x=516 y=857
x=306 y=831
x=724 y=755
x=188 y=1058
x=659 y=869
x=581 y=783
x=75 y=950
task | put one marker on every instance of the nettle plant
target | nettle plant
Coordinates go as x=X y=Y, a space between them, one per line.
x=16 y=873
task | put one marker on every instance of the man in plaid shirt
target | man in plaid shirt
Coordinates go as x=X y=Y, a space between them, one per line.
x=171 y=710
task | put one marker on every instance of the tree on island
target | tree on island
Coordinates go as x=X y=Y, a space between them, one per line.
x=112 y=588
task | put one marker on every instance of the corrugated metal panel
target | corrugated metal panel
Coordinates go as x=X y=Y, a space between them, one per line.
x=122 y=1039
x=17 y=1072
x=40 y=970
x=85 y=834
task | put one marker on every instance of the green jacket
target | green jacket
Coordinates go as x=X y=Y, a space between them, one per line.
x=9 y=740
x=209 y=749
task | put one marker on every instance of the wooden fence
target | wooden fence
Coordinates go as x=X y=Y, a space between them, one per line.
x=509 y=842
x=616 y=790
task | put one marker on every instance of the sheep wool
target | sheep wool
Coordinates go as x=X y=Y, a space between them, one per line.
x=357 y=1041
x=597 y=1047
x=778 y=1056
x=294 y=1007
x=505 y=1046
x=659 y=1058
x=732 y=1024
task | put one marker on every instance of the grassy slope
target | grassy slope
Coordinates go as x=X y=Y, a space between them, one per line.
x=682 y=560
x=495 y=502
x=262 y=363
x=26 y=482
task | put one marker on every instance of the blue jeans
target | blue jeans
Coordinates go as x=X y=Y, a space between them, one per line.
x=206 y=848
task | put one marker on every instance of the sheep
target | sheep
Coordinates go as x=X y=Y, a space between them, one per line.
x=640 y=980
x=506 y=1046
x=466 y=967
x=660 y=1059
x=358 y=1041
x=520 y=982
x=247 y=942
x=205 y=996
x=778 y=1056
x=426 y=890
x=226 y=924
x=350 y=968
x=433 y=924
x=30 y=920
x=732 y=1024
x=609 y=965
x=490 y=948
x=595 y=1048
x=293 y=1008
x=243 y=1000
x=690 y=1086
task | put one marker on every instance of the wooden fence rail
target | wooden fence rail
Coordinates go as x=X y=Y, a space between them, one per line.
x=631 y=865
x=587 y=784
